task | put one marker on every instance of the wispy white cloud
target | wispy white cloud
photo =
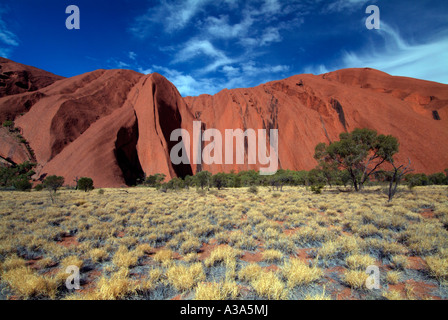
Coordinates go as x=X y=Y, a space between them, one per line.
x=8 y=40
x=174 y=15
x=270 y=35
x=196 y=48
x=186 y=84
x=118 y=64
x=398 y=57
x=132 y=55
x=221 y=28
x=251 y=68
x=240 y=75
x=318 y=69
x=346 y=5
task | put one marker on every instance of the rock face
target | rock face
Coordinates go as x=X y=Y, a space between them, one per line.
x=115 y=125
x=308 y=109
x=18 y=78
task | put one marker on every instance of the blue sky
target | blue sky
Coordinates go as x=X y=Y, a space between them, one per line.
x=204 y=46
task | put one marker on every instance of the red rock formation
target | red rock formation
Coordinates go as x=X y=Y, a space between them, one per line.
x=310 y=109
x=18 y=78
x=114 y=126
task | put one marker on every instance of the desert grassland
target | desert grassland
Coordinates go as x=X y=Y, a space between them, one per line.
x=139 y=243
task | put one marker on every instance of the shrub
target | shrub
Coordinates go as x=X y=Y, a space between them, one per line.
x=253 y=189
x=8 y=124
x=85 y=184
x=155 y=180
x=220 y=180
x=17 y=176
x=22 y=185
x=317 y=188
x=53 y=183
x=203 y=179
x=39 y=187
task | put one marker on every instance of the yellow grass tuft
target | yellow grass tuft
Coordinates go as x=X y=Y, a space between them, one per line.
x=359 y=261
x=72 y=261
x=269 y=286
x=356 y=279
x=298 y=273
x=217 y=291
x=392 y=295
x=98 y=255
x=116 y=287
x=28 y=283
x=272 y=255
x=124 y=258
x=393 y=277
x=250 y=272
x=223 y=254
x=400 y=262
x=163 y=256
x=13 y=262
x=438 y=267
x=184 y=278
x=319 y=296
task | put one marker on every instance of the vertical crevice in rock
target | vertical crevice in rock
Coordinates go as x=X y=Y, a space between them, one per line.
x=127 y=156
x=201 y=143
x=338 y=108
x=435 y=115
x=325 y=129
x=170 y=119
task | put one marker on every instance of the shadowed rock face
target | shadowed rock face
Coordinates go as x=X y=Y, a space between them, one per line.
x=18 y=78
x=115 y=125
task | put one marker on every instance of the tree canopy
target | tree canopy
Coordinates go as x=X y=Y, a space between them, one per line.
x=360 y=152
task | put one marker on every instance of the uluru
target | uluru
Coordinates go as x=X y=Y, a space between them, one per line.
x=115 y=125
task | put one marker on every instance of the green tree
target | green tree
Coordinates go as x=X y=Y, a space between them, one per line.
x=300 y=178
x=203 y=179
x=249 y=178
x=220 y=180
x=17 y=175
x=360 y=152
x=416 y=179
x=188 y=181
x=155 y=180
x=437 y=178
x=9 y=125
x=85 y=183
x=22 y=184
x=52 y=184
x=175 y=184
x=395 y=177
